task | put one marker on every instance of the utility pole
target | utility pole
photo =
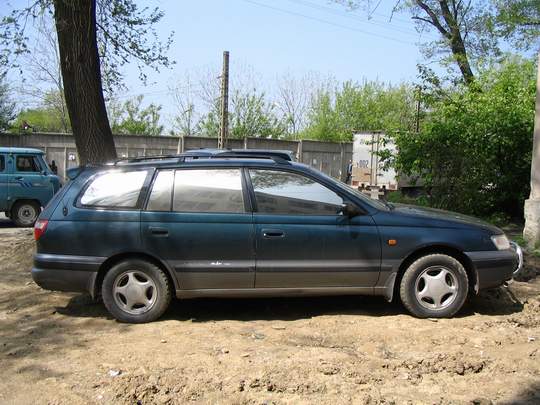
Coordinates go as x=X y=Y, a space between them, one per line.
x=531 y=233
x=418 y=110
x=224 y=127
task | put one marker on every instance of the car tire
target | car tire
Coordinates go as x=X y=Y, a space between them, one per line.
x=136 y=291
x=25 y=213
x=434 y=286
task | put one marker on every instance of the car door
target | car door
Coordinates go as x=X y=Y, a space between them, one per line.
x=199 y=221
x=3 y=183
x=28 y=180
x=302 y=239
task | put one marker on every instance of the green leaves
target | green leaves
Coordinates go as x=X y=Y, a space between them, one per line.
x=130 y=118
x=474 y=151
x=335 y=115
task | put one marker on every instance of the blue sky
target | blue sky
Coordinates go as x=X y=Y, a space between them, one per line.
x=273 y=37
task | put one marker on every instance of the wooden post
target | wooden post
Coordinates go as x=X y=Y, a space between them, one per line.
x=224 y=127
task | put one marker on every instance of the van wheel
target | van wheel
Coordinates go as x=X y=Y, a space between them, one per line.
x=25 y=213
x=434 y=286
x=135 y=291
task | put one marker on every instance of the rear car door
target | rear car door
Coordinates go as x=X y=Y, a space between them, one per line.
x=199 y=221
x=302 y=241
x=28 y=180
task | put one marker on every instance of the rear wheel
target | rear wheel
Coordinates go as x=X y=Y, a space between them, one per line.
x=136 y=291
x=25 y=213
x=434 y=286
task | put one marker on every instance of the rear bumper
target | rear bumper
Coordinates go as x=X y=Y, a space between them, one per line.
x=493 y=267
x=66 y=272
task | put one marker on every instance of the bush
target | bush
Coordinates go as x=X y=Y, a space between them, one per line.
x=474 y=150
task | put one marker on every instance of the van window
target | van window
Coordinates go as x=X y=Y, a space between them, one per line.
x=208 y=190
x=27 y=163
x=278 y=192
x=161 y=195
x=115 y=189
x=2 y=163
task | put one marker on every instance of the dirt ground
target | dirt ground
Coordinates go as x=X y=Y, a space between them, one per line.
x=62 y=348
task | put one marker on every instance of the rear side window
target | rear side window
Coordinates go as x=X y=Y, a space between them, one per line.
x=289 y=193
x=27 y=163
x=114 y=189
x=208 y=190
x=2 y=163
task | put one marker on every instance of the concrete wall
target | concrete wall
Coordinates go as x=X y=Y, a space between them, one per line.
x=329 y=157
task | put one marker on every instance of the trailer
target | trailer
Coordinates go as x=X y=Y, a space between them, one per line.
x=367 y=170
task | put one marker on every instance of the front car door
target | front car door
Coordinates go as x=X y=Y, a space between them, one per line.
x=199 y=221
x=28 y=180
x=302 y=239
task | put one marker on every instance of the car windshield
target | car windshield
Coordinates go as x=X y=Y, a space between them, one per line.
x=380 y=205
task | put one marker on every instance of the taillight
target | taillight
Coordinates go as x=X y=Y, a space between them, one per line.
x=40 y=227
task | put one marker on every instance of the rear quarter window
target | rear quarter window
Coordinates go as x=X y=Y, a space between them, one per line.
x=115 y=189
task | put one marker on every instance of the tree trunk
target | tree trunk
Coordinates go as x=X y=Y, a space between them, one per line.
x=456 y=44
x=79 y=61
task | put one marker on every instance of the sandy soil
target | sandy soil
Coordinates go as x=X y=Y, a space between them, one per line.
x=64 y=349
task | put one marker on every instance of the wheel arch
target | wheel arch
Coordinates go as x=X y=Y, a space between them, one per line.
x=117 y=258
x=16 y=201
x=448 y=250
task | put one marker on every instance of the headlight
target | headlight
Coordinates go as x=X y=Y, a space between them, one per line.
x=501 y=242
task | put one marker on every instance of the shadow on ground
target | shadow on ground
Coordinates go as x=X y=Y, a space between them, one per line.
x=494 y=302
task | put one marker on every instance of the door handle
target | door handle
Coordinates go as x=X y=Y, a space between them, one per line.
x=273 y=233
x=19 y=178
x=158 y=231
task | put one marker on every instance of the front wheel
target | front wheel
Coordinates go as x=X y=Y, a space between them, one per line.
x=434 y=286
x=136 y=291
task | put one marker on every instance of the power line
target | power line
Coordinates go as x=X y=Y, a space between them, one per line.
x=327 y=22
x=353 y=16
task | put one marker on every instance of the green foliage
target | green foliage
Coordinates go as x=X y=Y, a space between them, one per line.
x=250 y=115
x=474 y=150
x=369 y=106
x=50 y=116
x=518 y=21
x=130 y=118
x=253 y=116
x=38 y=119
x=7 y=106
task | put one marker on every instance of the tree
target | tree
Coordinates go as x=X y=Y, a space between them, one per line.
x=186 y=121
x=7 y=107
x=469 y=32
x=474 y=151
x=96 y=38
x=518 y=21
x=369 y=106
x=130 y=118
x=43 y=71
x=252 y=115
x=47 y=117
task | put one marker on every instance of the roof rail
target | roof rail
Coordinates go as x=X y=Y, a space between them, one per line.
x=277 y=156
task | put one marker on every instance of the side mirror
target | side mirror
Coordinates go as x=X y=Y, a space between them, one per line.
x=349 y=210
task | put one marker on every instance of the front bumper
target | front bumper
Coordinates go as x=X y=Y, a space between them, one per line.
x=66 y=272
x=493 y=268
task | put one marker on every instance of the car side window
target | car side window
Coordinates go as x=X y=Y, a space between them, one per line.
x=208 y=190
x=27 y=163
x=161 y=195
x=2 y=163
x=114 y=189
x=278 y=192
